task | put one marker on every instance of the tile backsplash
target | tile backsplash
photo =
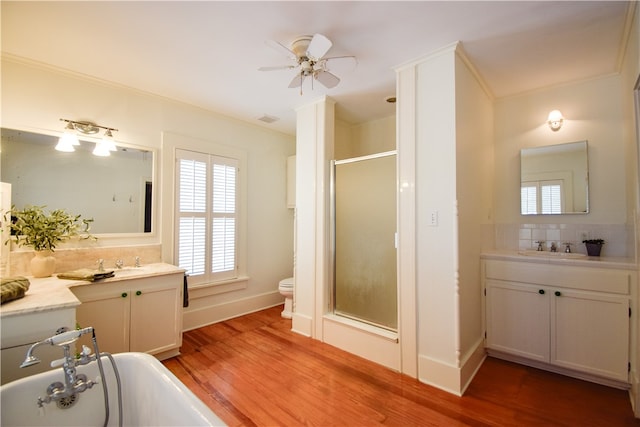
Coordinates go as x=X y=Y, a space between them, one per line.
x=73 y=259
x=619 y=238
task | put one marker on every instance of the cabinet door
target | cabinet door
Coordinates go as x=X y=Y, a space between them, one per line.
x=109 y=317
x=155 y=326
x=518 y=319
x=590 y=333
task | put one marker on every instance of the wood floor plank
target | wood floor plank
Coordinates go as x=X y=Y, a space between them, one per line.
x=253 y=371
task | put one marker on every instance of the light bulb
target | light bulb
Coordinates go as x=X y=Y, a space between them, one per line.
x=555 y=120
x=101 y=150
x=64 y=144
x=68 y=139
x=107 y=141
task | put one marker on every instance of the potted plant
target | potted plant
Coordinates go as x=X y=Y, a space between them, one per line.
x=43 y=231
x=594 y=246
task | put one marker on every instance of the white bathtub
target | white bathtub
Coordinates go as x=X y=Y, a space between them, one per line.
x=151 y=396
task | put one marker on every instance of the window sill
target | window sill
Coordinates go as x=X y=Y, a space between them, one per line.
x=221 y=287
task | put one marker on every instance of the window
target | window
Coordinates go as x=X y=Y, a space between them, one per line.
x=541 y=197
x=206 y=216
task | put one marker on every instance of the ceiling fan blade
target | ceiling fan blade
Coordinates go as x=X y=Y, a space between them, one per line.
x=277 y=67
x=296 y=81
x=282 y=49
x=340 y=64
x=327 y=79
x=318 y=46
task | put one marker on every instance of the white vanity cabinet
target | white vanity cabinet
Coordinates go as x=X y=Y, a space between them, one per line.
x=571 y=319
x=138 y=314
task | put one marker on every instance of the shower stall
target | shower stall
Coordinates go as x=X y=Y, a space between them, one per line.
x=363 y=239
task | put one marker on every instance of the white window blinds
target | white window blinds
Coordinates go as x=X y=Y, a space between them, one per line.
x=544 y=197
x=206 y=216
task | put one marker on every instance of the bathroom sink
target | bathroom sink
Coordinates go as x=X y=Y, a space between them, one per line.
x=130 y=271
x=548 y=254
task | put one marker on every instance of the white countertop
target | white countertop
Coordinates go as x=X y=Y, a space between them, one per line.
x=52 y=293
x=559 y=259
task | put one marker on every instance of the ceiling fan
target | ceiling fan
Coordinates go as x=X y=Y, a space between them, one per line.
x=307 y=53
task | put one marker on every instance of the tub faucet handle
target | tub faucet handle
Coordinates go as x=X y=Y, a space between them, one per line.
x=540 y=243
x=137 y=262
x=100 y=265
x=567 y=247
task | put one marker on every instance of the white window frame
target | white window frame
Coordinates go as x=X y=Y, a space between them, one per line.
x=170 y=144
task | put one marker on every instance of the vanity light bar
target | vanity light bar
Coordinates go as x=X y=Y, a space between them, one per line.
x=69 y=139
x=87 y=128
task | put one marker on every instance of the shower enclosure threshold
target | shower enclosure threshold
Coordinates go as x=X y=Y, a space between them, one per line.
x=362 y=326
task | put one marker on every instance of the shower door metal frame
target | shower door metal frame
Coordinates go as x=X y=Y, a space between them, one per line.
x=332 y=235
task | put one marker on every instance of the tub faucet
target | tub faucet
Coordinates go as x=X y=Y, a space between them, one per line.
x=567 y=247
x=119 y=264
x=540 y=243
x=73 y=382
x=553 y=248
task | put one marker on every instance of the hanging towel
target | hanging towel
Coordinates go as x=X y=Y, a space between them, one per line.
x=13 y=288
x=185 y=292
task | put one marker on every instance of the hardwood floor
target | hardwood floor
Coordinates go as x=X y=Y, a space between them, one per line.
x=253 y=371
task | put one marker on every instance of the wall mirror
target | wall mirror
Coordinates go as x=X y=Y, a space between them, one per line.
x=554 y=179
x=116 y=191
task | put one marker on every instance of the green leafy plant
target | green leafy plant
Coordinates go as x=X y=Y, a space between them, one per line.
x=594 y=241
x=42 y=230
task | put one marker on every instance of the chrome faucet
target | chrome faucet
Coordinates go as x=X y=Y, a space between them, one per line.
x=553 y=248
x=73 y=382
x=540 y=243
x=100 y=265
x=567 y=247
x=119 y=264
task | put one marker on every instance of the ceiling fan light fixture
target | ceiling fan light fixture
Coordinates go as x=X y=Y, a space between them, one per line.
x=309 y=52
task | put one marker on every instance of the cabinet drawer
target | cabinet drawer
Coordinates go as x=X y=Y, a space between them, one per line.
x=575 y=277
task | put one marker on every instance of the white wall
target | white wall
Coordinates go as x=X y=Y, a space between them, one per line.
x=35 y=97
x=630 y=83
x=474 y=189
x=593 y=112
x=437 y=246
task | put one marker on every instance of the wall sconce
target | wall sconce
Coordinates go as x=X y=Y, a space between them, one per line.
x=69 y=138
x=555 y=120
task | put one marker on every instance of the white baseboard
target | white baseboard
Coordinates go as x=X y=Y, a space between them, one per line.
x=203 y=316
x=634 y=393
x=439 y=374
x=451 y=378
x=471 y=363
x=302 y=324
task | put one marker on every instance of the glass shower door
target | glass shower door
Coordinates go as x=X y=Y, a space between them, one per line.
x=364 y=227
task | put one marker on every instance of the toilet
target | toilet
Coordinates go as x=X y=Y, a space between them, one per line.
x=285 y=287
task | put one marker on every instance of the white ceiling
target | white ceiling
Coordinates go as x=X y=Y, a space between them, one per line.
x=207 y=53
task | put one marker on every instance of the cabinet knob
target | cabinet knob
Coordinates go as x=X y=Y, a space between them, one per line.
x=541 y=291
x=124 y=295
x=558 y=293
x=138 y=293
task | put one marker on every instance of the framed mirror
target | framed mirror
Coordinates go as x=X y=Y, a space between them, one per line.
x=554 y=180
x=116 y=191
